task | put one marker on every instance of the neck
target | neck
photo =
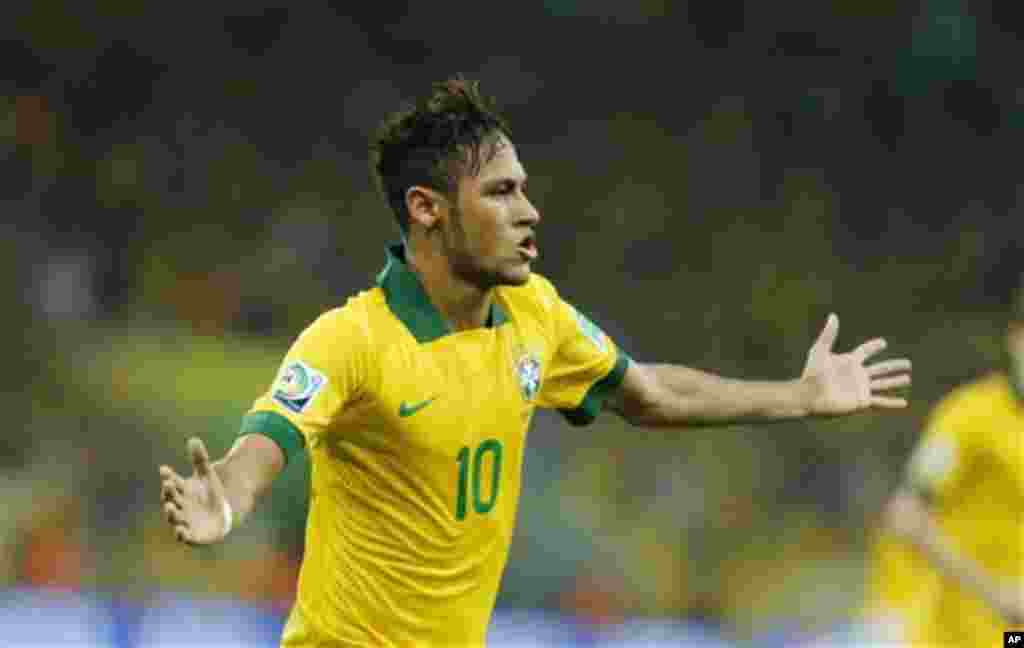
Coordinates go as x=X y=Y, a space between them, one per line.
x=462 y=304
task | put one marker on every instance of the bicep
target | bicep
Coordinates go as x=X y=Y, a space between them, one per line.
x=638 y=393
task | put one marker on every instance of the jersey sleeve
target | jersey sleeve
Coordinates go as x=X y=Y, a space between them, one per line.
x=326 y=369
x=941 y=461
x=586 y=367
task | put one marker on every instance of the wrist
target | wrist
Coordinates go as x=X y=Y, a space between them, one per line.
x=805 y=396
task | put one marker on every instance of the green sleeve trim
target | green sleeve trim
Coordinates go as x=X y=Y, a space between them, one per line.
x=592 y=403
x=282 y=431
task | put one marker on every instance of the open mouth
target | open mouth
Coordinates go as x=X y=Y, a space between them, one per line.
x=528 y=248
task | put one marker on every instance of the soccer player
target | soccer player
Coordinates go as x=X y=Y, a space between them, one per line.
x=413 y=398
x=949 y=556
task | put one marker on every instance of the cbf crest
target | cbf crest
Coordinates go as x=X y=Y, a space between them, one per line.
x=528 y=372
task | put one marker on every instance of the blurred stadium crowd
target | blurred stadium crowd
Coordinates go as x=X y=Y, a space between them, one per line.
x=185 y=188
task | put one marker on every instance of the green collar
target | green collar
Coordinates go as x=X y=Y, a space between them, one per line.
x=410 y=303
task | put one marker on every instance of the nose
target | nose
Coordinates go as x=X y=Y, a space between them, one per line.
x=530 y=214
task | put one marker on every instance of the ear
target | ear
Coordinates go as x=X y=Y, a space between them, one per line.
x=424 y=205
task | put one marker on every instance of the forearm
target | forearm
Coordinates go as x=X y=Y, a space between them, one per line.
x=952 y=564
x=914 y=523
x=685 y=396
x=247 y=472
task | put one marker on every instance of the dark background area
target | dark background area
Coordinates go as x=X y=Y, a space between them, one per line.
x=185 y=186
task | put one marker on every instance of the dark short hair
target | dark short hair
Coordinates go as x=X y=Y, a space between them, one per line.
x=433 y=142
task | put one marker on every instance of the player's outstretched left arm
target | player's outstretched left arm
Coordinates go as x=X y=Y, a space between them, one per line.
x=831 y=384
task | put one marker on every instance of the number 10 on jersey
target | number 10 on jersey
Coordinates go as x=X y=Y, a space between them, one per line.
x=471 y=474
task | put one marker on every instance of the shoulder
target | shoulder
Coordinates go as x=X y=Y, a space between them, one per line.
x=974 y=395
x=969 y=406
x=353 y=322
x=355 y=309
x=963 y=424
x=537 y=296
x=996 y=397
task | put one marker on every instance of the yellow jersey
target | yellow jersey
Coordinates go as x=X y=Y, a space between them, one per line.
x=415 y=435
x=899 y=592
x=970 y=464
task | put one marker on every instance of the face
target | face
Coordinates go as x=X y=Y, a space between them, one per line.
x=489 y=231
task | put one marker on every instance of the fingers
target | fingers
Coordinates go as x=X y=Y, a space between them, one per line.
x=888 y=367
x=172 y=486
x=200 y=458
x=890 y=382
x=827 y=338
x=173 y=514
x=176 y=518
x=869 y=348
x=167 y=473
x=172 y=493
x=183 y=535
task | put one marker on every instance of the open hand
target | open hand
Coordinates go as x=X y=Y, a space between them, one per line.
x=194 y=507
x=842 y=383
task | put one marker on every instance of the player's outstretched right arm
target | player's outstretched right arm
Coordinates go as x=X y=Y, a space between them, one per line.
x=203 y=508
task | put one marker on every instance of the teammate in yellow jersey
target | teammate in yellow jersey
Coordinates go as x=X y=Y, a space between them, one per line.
x=413 y=398
x=901 y=585
x=951 y=572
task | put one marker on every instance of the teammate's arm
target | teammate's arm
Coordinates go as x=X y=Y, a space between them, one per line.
x=907 y=516
x=831 y=384
x=203 y=508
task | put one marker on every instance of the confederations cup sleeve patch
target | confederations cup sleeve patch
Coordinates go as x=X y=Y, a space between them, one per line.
x=590 y=330
x=297 y=385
